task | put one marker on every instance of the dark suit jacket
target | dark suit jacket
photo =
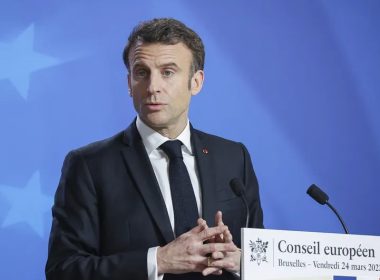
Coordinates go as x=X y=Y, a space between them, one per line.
x=109 y=210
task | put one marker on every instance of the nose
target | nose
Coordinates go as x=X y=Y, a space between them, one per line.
x=155 y=83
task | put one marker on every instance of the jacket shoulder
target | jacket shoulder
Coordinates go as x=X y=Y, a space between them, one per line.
x=101 y=146
x=216 y=140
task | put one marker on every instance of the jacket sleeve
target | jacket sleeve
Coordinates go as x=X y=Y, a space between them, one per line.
x=252 y=192
x=75 y=243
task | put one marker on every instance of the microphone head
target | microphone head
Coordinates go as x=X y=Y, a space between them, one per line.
x=237 y=186
x=317 y=194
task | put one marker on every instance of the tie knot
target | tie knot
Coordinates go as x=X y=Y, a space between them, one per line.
x=172 y=149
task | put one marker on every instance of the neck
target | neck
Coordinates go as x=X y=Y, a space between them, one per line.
x=169 y=131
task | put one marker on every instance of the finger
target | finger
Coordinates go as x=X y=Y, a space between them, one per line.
x=224 y=264
x=218 y=272
x=211 y=232
x=219 y=222
x=217 y=255
x=199 y=227
x=210 y=248
x=227 y=236
x=231 y=262
x=202 y=223
x=212 y=270
x=218 y=218
x=209 y=269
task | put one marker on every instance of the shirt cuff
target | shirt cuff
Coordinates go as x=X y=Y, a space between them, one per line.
x=152 y=265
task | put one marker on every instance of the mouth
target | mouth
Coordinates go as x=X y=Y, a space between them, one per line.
x=154 y=106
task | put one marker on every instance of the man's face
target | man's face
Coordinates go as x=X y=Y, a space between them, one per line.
x=160 y=87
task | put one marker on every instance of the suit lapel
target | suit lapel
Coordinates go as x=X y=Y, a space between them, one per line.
x=206 y=173
x=141 y=170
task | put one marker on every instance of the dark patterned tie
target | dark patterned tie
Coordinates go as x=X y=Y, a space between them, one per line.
x=184 y=203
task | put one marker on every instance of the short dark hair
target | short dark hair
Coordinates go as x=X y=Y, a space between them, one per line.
x=167 y=31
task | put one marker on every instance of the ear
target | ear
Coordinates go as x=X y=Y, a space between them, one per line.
x=129 y=84
x=197 y=82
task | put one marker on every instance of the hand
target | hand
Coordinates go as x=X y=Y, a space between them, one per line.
x=229 y=261
x=223 y=260
x=188 y=252
x=226 y=237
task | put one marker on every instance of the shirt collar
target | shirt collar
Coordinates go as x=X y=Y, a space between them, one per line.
x=152 y=139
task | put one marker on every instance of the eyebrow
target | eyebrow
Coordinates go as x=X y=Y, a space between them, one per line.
x=169 y=64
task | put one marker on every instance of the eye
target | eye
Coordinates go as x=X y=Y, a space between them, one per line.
x=141 y=73
x=167 y=73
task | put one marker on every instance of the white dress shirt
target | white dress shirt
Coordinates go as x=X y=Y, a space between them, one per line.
x=152 y=141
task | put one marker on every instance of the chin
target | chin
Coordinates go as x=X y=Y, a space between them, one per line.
x=155 y=121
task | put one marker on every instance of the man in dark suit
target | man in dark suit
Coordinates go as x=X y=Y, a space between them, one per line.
x=123 y=209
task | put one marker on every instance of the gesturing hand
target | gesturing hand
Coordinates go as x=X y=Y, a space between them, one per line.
x=188 y=252
x=223 y=260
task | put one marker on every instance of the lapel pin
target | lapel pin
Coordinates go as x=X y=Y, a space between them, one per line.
x=205 y=151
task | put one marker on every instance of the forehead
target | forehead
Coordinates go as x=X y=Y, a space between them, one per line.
x=158 y=53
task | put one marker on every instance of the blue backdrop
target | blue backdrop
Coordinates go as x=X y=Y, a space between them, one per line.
x=297 y=81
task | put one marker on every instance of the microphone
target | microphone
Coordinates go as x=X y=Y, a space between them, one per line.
x=237 y=187
x=322 y=198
